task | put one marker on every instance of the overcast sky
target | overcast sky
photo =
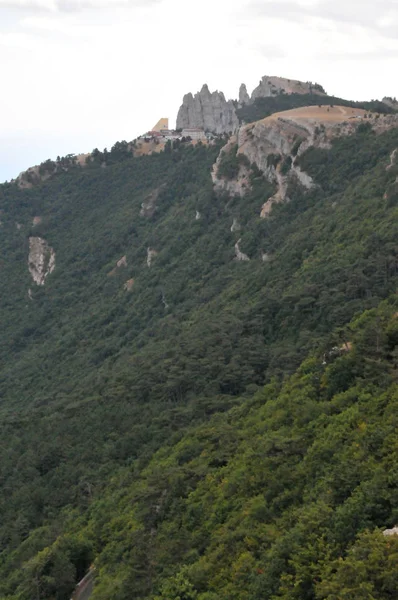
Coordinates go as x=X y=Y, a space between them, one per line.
x=79 y=74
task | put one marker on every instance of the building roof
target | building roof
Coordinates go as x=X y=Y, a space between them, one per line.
x=161 y=124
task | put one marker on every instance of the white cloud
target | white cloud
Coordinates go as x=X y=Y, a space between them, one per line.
x=365 y=13
x=50 y=5
x=70 y=5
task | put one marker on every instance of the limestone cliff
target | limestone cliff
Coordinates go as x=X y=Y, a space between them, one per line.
x=238 y=185
x=41 y=261
x=244 y=97
x=239 y=255
x=391 y=102
x=35 y=175
x=212 y=112
x=274 y=143
x=273 y=86
x=209 y=111
x=151 y=254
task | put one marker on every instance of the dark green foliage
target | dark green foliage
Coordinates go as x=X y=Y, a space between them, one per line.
x=331 y=169
x=273 y=160
x=297 y=145
x=135 y=427
x=281 y=497
x=231 y=162
x=286 y=165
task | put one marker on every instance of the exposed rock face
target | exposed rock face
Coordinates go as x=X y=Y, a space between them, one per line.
x=274 y=143
x=392 y=102
x=148 y=207
x=244 y=97
x=41 y=260
x=393 y=159
x=122 y=262
x=151 y=253
x=235 y=226
x=233 y=187
x=393 y=531
x=212 y=112
x=209 y=111
x=128 y=286
x=240 y=255
x=164 y=302
x=35 y=175
x=273 y=86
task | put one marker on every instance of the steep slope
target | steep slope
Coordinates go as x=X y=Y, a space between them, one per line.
x=284 y=497
x=95 y=378
x=275 y=144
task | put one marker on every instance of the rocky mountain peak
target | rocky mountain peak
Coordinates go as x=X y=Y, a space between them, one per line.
x=244 y=97
x=273 y=86
x=209 y=111
x=392 y=102
x=212 y=112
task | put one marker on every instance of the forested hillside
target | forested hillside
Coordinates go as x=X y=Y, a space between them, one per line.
x=136 y=431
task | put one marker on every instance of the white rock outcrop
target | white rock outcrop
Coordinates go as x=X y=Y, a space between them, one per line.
x=240 y=255
x=235 y=225
x=164 y=302
x=151 y=253
x=393 y=531
x=237 y=186
x=393 y=159
x=244 y=97
x=273 y=86
x=148 y=207
x=212 y=112
x=391 y=102
x=275 y=143
x=41 y=261
x=122 y=262
x=128 y=286
x=209 y=111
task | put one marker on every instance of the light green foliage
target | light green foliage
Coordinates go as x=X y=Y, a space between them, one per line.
x=177 y=588
x=268 y=500
x=369 y=571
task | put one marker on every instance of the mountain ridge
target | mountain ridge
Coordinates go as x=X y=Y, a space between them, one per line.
x=212 y=112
